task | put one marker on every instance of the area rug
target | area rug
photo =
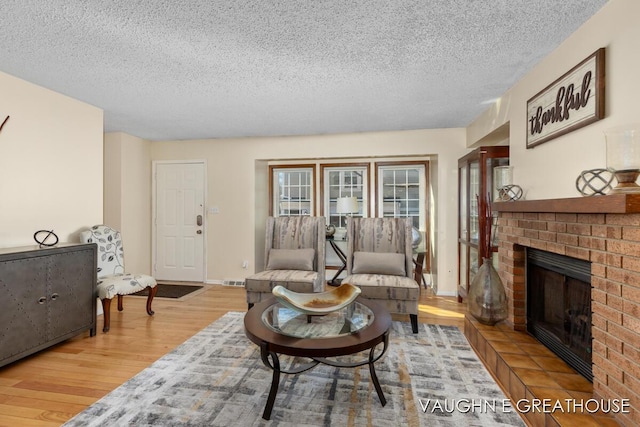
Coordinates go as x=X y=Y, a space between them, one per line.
x=170 y=291
x=216 y=378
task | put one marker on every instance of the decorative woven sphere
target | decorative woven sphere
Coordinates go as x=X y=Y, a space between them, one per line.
x=594 y=182
x=509 y=193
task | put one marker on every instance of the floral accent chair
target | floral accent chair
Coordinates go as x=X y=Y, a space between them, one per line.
x=112 y=279
x=380 y=263
x=294 y=257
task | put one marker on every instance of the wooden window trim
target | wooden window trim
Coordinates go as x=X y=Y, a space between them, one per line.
x=311 y=166
x=324 y=166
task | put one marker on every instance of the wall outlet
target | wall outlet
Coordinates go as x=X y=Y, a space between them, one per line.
x=245 y=264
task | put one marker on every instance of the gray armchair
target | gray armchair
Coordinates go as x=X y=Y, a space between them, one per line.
x=294 y=257
x=380 y=263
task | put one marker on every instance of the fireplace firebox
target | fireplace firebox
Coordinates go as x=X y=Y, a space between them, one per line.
x=559 y=306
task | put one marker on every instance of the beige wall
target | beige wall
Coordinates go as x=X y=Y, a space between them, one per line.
x=238 y=179
x=50 y=163
x=51 y=158
x=127 y=189
x=550 y=169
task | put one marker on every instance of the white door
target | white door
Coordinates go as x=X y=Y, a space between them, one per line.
x=179 y=221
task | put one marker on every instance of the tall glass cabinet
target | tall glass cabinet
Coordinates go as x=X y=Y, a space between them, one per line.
x=475 y=181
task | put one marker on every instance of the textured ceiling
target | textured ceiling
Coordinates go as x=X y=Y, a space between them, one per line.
x=167 y=69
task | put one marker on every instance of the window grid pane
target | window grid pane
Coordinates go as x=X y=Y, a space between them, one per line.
x=401 y=190
x=295 y=192
x=345 y=183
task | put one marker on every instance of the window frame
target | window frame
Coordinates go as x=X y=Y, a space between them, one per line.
x=423 y=209
x=325 y=194
x=273 y=169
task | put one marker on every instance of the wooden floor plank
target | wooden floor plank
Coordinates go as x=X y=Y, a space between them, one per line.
x=47 y=389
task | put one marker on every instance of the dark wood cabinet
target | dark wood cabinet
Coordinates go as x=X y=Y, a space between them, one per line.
x=475 y=181
x=48 y=296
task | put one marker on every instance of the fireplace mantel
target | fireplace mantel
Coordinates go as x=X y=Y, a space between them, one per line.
x=615 y=204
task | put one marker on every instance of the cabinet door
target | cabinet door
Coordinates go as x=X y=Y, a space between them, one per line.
x=474 y=193
x=71 y=292
x=23 y=306
x=463 y=204
x=463 y=265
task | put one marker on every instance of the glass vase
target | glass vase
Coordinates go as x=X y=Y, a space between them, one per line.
x=487 y=300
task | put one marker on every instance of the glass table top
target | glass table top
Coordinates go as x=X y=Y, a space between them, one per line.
x=346 y=321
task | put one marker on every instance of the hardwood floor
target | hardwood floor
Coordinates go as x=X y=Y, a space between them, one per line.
x=48 y=388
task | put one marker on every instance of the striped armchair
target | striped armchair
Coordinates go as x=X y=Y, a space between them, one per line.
x=294 y=257
x=380 y=263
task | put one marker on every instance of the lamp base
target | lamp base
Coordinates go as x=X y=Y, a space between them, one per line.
x=626 y=182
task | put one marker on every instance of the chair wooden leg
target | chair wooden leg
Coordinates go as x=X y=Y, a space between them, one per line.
x=414 y=323
x=152 y=293
x=106 y=308
x=120 y=306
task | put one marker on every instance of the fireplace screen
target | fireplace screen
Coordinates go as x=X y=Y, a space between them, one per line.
x=559 y=306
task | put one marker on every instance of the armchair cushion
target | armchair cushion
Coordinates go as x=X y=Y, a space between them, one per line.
x=379 y=263
x=382 y=286
x=291 y=259
x=294 y=280
x=123 y=284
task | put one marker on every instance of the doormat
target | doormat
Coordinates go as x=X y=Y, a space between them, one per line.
x=170 y=291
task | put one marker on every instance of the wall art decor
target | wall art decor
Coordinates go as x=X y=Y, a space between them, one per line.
x=574 y=100
x=3 y=123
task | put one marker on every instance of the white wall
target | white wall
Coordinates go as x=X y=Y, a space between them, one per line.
x=127 y=189
x=238 y=190
x=550 y=169
x=50 y=163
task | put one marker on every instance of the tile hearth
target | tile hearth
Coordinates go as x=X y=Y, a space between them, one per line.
x=526 y=369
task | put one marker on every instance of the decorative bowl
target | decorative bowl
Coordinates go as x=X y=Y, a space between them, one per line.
x=317 y=303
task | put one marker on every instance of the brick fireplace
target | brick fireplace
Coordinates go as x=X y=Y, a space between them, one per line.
x=605 y=231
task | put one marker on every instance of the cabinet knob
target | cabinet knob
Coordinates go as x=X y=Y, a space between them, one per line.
x=54 y=297
x=42 y=300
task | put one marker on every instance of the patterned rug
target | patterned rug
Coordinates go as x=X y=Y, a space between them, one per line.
x=216 y=378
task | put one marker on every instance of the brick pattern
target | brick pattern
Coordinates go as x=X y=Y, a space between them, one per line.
x=611 y=242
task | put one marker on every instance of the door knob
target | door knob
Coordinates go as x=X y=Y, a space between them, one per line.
x=199 y=232
x=199 y=220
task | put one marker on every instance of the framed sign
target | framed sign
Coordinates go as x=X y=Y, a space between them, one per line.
x=574 y=100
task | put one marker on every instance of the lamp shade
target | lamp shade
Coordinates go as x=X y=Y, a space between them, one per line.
x=347 y=205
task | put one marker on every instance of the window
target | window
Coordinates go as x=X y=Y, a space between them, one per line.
x=292 y=190
x=402 y=191
x=348 y=180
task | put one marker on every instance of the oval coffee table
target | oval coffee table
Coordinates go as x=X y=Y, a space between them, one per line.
x=279 y=330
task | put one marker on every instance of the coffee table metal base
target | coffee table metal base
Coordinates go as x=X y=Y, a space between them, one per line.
x=271 y=361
